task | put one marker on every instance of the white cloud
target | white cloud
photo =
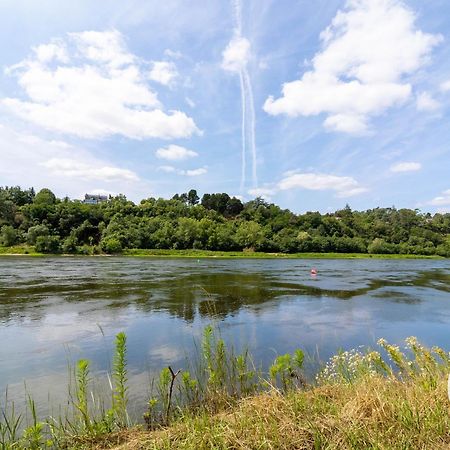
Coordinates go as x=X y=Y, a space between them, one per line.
x=187 y=173
x=236 y=54
x=196 y=172
x=175 y=153
x=56 y=50
x=167 y=169
x=173 y=54
x=445 y=86
x=72 y=168
x=343 y=186
x=441 y=200
x=346 y=123
x=190 y=102
x=96 y=89
x=67 y=169
x=406 y=167
x=163 y=72
x=425 y=102
x=102 y=192
x=263 y=192
x=368 y=50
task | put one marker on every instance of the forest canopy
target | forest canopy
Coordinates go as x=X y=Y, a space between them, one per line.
x=214 y=222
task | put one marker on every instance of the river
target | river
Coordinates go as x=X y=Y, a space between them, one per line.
x=56 y=310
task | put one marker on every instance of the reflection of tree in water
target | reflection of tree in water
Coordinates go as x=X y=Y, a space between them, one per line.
x=204 y=293
x=210 y=294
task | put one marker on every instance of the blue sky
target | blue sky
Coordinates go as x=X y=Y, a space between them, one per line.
x=311 y=104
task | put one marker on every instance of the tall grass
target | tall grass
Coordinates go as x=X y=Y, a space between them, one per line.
x=120 y=377
x=388 y=398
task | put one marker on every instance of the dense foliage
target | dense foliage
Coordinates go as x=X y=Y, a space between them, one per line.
x=217 y=222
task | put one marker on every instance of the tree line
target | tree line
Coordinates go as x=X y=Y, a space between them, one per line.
x=214 y=222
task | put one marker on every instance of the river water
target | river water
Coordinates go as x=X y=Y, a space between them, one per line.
x=56 y=310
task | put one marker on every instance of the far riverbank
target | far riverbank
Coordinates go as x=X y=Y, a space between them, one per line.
x=193 y=253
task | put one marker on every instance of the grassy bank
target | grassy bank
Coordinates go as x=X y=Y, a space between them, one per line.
x=244 y=254
x=385 y=399
x=373 y=413
x=28 y=250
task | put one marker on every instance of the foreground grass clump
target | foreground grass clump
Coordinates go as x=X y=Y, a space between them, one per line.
x=372 y=413
x=359 y=401
x=385 y=399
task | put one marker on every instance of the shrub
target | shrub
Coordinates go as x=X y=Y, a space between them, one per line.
x=111 y=245
x=48 y=244
x=8 y=236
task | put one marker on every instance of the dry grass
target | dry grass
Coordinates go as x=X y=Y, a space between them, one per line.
x=373 y=413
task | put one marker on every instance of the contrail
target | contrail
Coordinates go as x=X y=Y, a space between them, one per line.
x=237 y=10
x=247 y=105
x=251 y=125
x=243 y=131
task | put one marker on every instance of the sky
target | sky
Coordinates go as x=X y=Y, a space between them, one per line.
x=311 y=104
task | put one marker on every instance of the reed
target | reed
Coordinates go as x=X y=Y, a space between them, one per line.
x=120 y=377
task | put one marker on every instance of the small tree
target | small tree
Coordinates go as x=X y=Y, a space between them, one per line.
x=111 y=245
x=48 y=244
x=45 y=196
x=8 y=236
x=192 y=197
x=35 y=232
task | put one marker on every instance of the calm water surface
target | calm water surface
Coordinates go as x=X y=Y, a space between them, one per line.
x=54 y=311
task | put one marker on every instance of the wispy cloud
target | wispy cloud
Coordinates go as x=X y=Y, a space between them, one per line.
x=69 y=169
x=175 y=153
x=405 y=167
x=163 y=72
x=342 y=186
x=73 y=168
x=425 y=102
x=264 y=192
x=184 y=172
x=441 y=200
x=445 y=86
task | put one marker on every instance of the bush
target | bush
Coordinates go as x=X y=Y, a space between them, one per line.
x=8 y=236
x=48 y=244
x=380 y=246
x=70 y=244
x=443 y=250
x=111 y=245
x=35 y=232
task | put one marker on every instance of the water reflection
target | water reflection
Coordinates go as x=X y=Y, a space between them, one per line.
x=175 y=287
x=55 y=310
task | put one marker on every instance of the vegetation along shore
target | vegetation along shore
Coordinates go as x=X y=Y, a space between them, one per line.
x=389 y=398
x=186 y=225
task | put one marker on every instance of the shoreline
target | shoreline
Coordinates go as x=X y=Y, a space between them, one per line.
x=211 y=254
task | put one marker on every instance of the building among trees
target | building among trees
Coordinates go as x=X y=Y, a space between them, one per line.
x=93 y=199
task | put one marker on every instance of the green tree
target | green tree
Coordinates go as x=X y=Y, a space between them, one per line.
x=35 y=232
x=45 y=196
x=111 y=245
x=8 y=236
x=249 y=235
x=48 y=244
x=192 y=197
